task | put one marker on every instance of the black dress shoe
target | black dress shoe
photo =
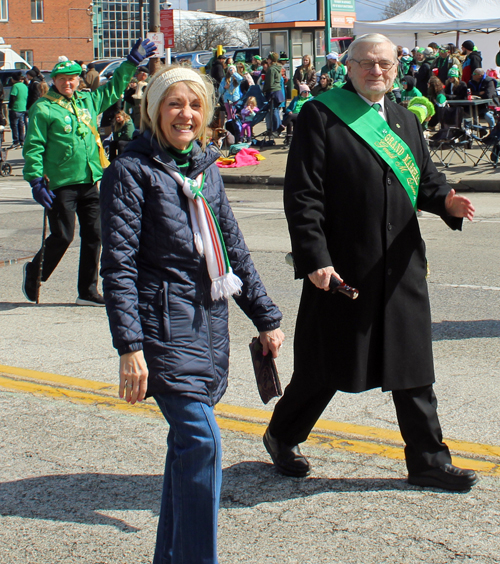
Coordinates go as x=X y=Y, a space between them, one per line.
x=287 y=459
x=446 y=477
x=29 y=282
x=95 y=300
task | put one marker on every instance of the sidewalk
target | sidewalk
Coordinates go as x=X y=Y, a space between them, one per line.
x=271 y=171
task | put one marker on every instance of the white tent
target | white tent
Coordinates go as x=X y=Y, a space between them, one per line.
x=438 y=16
x=443 y=21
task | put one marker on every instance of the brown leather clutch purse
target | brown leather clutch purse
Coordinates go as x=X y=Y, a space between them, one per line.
x=268 y=382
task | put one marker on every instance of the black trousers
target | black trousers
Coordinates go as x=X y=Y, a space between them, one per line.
x=301 y=406
x=288 y=122
x=82 y=200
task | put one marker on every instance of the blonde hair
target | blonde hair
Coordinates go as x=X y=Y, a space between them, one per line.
x=310 y=61
x=203 y=89
x=124 y=115
x=252 y=100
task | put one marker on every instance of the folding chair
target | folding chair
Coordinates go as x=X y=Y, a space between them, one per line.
x=487 y=142
x=451 y=138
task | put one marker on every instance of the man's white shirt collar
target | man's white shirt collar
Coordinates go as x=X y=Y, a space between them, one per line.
x=370 y=103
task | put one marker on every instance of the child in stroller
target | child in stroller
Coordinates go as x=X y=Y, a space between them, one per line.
x=247 y=114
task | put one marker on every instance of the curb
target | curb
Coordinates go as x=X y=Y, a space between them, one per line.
x=277 y=182
x=271 y=182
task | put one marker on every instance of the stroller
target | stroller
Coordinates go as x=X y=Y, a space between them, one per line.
x=5 y=167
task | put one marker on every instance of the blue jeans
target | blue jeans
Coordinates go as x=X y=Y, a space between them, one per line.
x=187 y=528
x=273 y=118
x=17 y=125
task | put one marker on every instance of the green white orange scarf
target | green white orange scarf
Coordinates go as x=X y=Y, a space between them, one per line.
x=208 y=238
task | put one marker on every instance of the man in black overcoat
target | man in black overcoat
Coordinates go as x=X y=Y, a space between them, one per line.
x=350 y=217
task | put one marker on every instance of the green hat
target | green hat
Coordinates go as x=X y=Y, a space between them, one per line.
x=454 y=71
x=422 y=107
x=66 y=67
x=257 y=57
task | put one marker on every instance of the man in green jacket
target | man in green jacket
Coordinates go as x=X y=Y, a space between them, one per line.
x=63 y=150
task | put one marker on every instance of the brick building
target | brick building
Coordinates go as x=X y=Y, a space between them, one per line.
x=42 y=30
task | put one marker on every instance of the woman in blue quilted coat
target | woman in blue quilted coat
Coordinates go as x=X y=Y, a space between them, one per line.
x=172 y=256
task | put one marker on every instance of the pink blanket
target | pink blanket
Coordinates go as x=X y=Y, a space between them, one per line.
x=245 y=157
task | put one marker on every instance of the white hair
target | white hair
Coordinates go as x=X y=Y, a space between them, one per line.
x=372 y=39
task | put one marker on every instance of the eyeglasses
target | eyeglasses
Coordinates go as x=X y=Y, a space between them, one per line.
x=368 y=64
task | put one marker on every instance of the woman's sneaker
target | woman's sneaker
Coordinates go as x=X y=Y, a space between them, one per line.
x=95 y=300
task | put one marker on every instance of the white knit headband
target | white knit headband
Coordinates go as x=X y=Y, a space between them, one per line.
x=156 y=90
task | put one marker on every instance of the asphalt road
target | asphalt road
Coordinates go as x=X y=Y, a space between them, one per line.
x=80 y=476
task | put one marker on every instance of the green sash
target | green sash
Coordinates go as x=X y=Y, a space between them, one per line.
x=82 y=116
x=375 y=131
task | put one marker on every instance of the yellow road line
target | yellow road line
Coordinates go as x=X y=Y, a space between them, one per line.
x=239 y=419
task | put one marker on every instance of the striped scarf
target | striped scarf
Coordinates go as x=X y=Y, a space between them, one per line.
x=208 y=238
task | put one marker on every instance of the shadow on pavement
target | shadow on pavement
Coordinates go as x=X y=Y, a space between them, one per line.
x=247 y=484
x=80 y=498
x=7 y=306
x=86 y=497
x=457 y=330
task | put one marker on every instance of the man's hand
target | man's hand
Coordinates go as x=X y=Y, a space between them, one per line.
x=133 y=376
x=459 y=206
x=41 y=193
x=321 y=278
x=140 y=51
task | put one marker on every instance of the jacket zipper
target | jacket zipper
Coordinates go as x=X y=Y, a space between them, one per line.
x=208 y=317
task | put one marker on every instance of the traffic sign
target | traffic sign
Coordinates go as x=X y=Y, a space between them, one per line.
x=159 y=40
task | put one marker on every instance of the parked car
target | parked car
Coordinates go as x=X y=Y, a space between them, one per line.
x=245 y=54
x=6 y=78
x=106 y=68
x=196 y=59
x=340 y=44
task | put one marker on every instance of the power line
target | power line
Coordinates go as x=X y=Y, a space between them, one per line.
x=372 y=3
x=273 y=4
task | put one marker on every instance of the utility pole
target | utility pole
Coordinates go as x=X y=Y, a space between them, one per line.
x=154 y=27
x=328 y=9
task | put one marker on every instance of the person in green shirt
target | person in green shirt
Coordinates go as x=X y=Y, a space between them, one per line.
x=335 y=69
x=17 y=109
x=409 y=89
x=293 y=110
x=64 y=160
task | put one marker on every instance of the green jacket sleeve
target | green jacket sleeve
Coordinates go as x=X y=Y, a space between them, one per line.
x=35 y=144
x=109 y=93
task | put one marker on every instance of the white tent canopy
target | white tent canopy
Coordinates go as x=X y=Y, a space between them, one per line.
x=439 y=16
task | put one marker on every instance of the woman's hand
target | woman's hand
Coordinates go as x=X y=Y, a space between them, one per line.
x=459 y=206
x=133 y=376
x=272 y=341
x=321 y=278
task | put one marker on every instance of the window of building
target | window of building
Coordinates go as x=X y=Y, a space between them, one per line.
x=27 y=55
x=119 y=20
x=37 y=10
x=4 y=10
